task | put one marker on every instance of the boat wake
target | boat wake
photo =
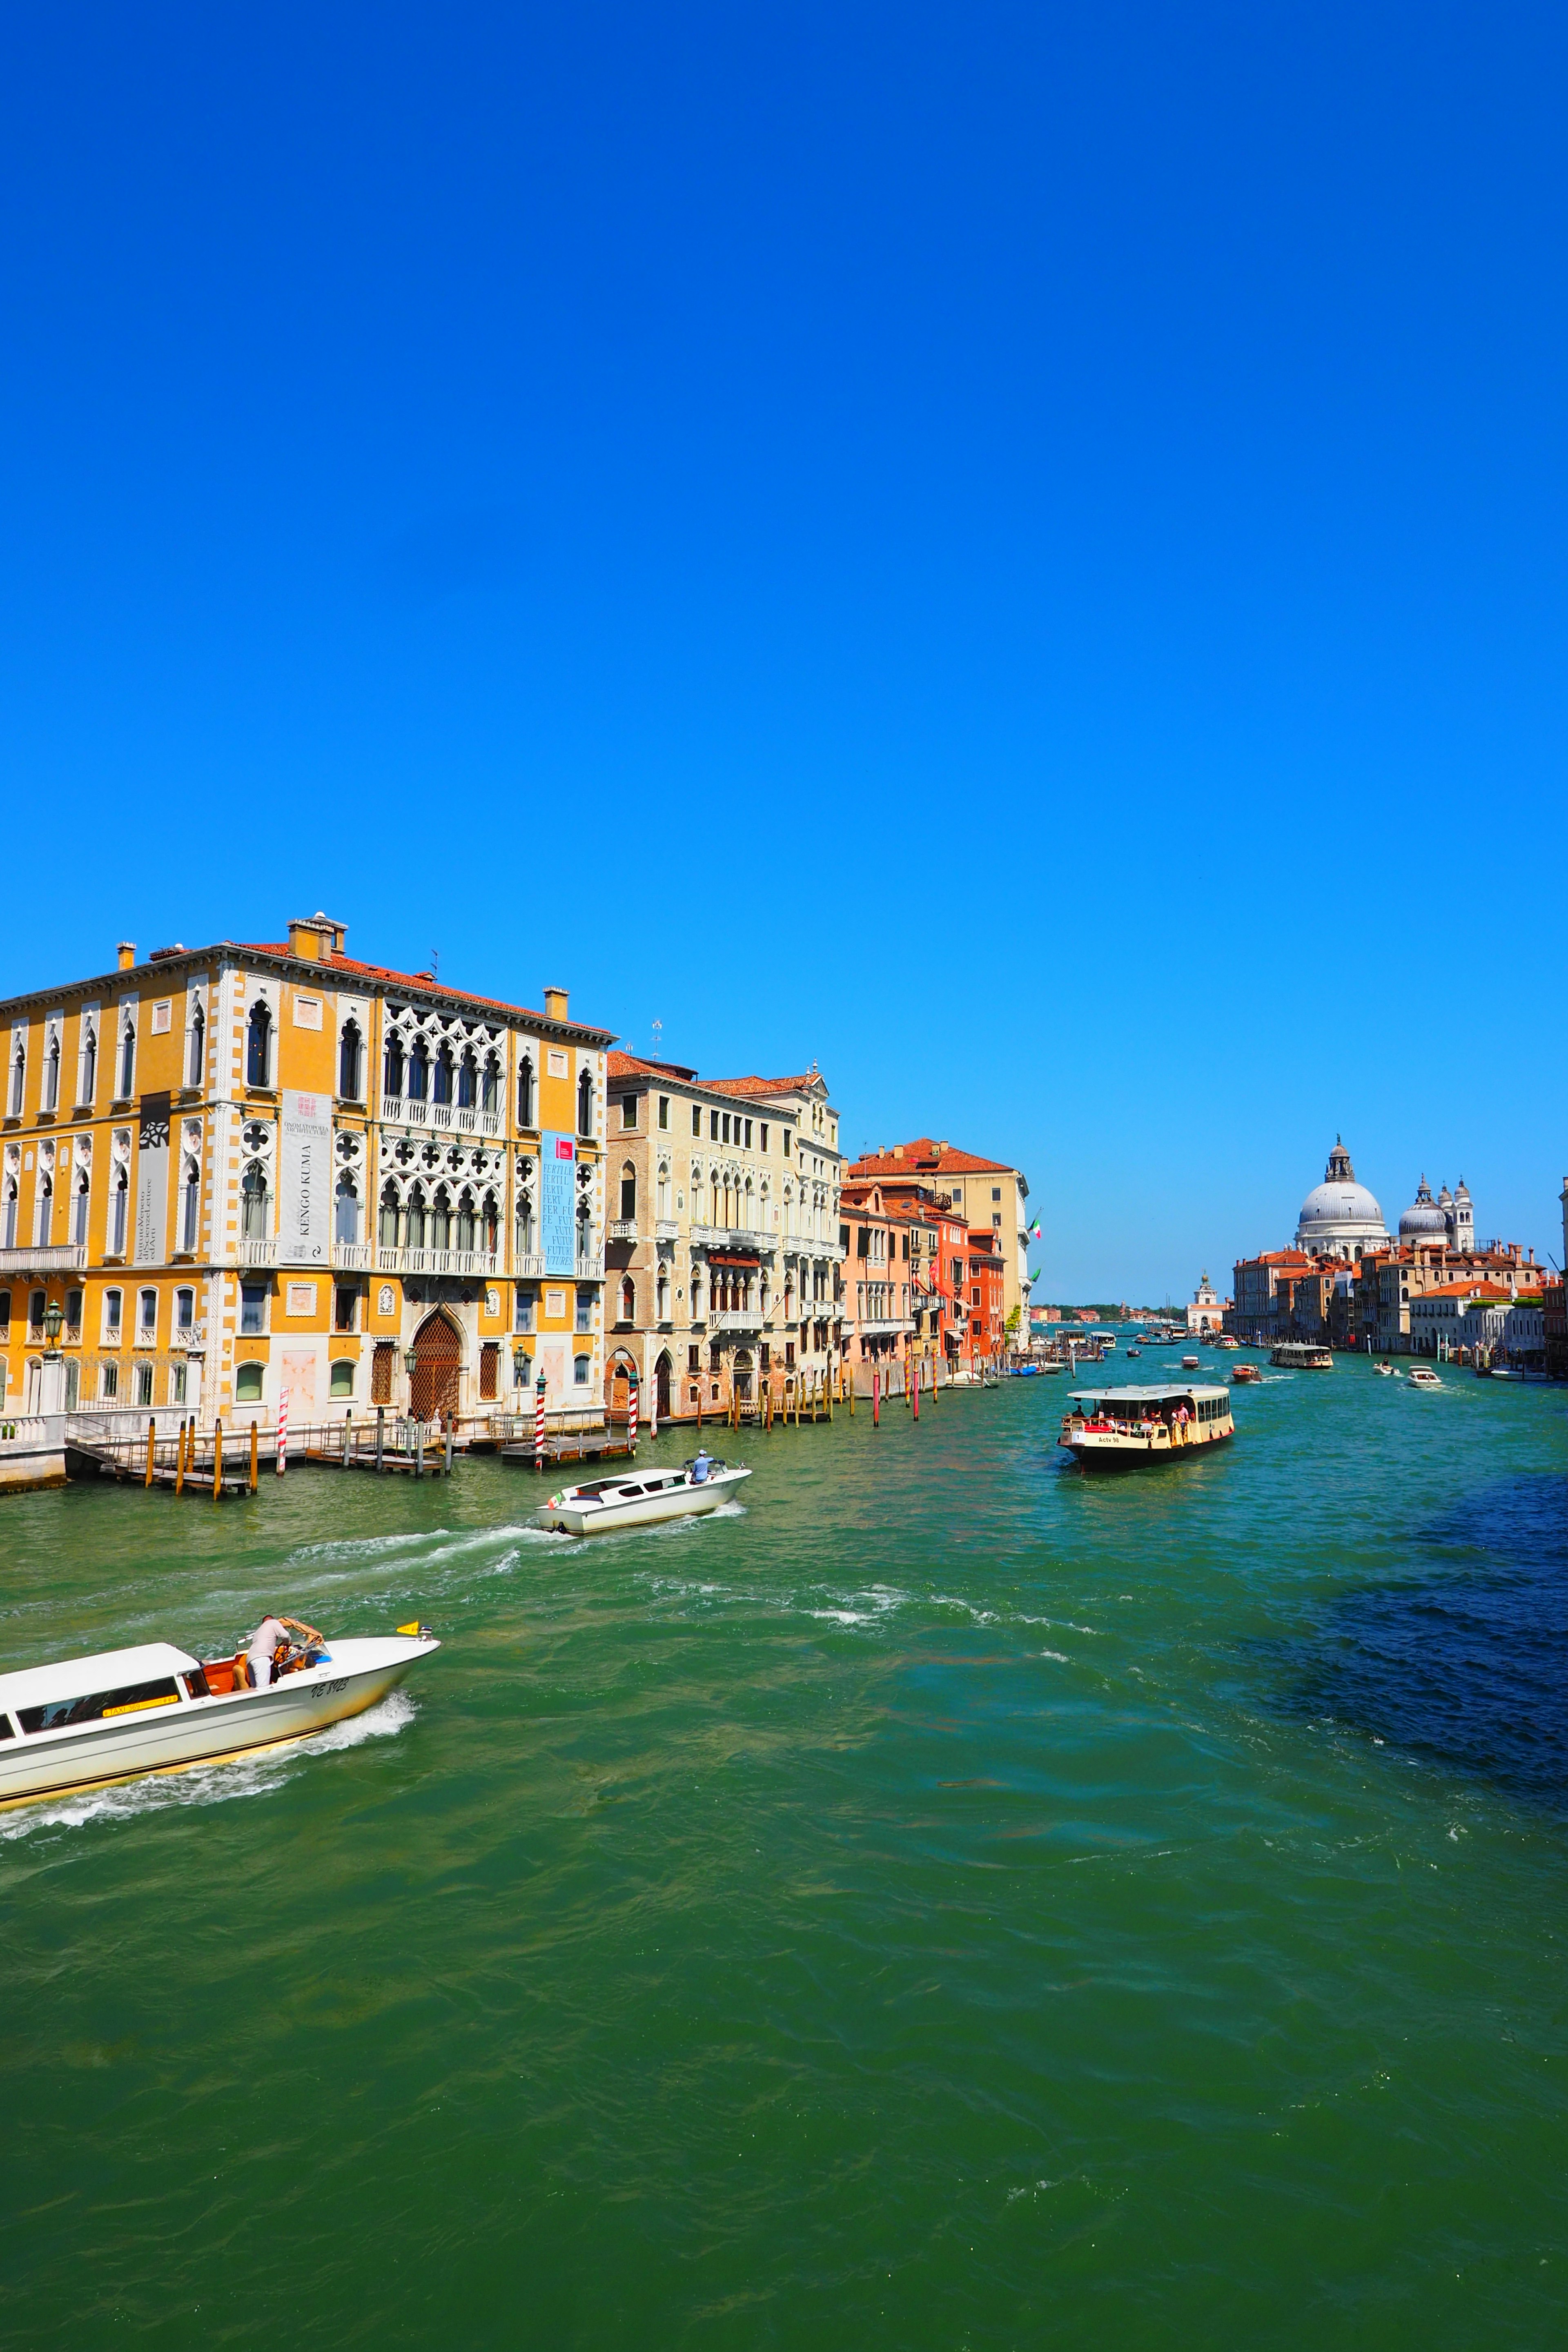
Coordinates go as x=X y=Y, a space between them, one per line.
x=207 y=1784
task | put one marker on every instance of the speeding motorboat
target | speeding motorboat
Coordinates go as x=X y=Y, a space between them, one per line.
x=1422 y=1378
x=113 y=1717
x=600 y=1505
x=1384 y=1371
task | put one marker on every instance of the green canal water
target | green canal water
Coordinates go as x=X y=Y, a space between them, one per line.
x=950 y=1902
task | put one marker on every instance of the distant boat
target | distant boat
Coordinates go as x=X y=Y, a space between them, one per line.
x=1424 y=1378
x=1384 y=1370
x=1189 y=1363
x=1302 y=1356
x=1245 y=1373
x=601 y=1504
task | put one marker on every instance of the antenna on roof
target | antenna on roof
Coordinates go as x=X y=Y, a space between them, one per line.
x=434 y=964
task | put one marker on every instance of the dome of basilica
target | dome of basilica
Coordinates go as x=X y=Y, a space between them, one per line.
x=1424 y=1220
x=1340 y=1216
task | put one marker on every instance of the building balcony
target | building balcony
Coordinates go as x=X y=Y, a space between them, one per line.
x=591 y=1268
x=731 y=1238
x=808 y=1246
x=381 y=1257
x=666 y=1230
x=529 y=1265
x=880 y=1326
x=444 y=1118
x=262 y=1253
x=44 y=1257
x=622 y=1229
x=736 y=1319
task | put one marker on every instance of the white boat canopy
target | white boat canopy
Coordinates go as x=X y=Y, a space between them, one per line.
x=1172 y=1394
x=76 y=1677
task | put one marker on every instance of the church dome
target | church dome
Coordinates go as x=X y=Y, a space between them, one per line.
x=1424 y=1220
x=1339 y=1215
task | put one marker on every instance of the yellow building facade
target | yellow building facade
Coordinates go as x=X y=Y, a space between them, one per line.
x=245 y=1174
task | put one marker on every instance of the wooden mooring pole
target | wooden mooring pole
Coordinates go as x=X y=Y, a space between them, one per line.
x=218 y=1459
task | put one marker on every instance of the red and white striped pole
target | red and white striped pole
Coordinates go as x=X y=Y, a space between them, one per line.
x=282 y=1462
x=632 y=1417
x=653 y=1410
x=538 y=1423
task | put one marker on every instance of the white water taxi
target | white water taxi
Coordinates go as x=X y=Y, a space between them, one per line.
x=600 y=1505
x=1422 y=1378
x=1302 y=1356
x=1384 y=1371
x=91 y=1721
x=1111 y=1429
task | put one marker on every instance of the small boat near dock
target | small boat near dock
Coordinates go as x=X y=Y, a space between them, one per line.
x=89 y=1722
x=1114 y=1429
x=599 y=1505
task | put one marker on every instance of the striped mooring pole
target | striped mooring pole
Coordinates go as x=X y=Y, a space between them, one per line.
x=538 y=1423
x=632 y=1417
x=282 y=1462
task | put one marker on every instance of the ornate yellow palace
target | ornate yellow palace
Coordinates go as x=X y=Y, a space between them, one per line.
x=238 y=1174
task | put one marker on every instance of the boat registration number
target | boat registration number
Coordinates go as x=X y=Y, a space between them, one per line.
x=332 y=1686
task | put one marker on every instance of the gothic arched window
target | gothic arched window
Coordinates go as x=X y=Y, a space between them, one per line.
x=197 y=1057
x=190 y=1207
x=526 y=1092
x=351 y=1061
x=441 y=1090
x=467 y=1223
x=127 y=1060
x=391 y=1064
x=628 y=1191
x=585 y=1104
x=253 y=1203
x=629 y=1300
x=441 y=1219
x=345 y=1227
x=419 y=1070
x=52 y=1076
x=468 y=1080
x=19 y=1077
x=259 y=1046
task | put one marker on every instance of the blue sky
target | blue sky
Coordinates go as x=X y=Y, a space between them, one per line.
x=1018 y=554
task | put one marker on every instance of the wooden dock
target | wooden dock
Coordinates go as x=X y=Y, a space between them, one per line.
x=216 y=1462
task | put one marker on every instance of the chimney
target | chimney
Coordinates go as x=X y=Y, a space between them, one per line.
x=555 y=1004
x=316 y=938
x=127 y=954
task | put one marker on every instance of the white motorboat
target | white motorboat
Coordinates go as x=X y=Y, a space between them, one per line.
x=1421 y=1378
x=89 y=1722
x=1384 y=1371
x=601 y=1504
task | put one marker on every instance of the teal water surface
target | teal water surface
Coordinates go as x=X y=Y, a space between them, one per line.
x=952 y=1901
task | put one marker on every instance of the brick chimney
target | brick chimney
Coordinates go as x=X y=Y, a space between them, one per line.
x=316 y=938
x=127 y=954
x=555 y=1004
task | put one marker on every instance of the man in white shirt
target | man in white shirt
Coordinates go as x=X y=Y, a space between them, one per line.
x=264 y=1643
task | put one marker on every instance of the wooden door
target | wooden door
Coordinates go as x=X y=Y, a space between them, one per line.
x=437 y=1357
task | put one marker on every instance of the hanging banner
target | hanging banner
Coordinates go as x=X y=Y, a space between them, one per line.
x=558 y=1203
x=152 y=1179
x=305 y=1180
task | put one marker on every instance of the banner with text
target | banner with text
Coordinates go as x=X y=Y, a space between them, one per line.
x=305 y=1180
x=152 y=1179
x=558 y=1203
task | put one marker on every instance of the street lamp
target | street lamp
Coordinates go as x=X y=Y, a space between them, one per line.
x=53 y=1319
x=411 y=1363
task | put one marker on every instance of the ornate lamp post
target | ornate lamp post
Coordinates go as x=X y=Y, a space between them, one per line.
x=52 y=1372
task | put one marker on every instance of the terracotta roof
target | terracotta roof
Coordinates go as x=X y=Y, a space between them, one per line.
x=760 y=1086
x=408 y=983
x=631 y=1065
x=925 y=1153
x=1469 y=1290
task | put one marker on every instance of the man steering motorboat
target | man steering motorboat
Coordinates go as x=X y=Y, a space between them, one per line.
x=268 y=1654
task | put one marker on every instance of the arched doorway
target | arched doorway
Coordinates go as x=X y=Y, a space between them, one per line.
x=437 y=1360
x=742 y=1374
x=619 y=1374
x=663 y=1378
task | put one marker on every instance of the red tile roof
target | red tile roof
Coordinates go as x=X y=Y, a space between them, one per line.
x=1469 y=1290
x=632 y=1065
x=407 y=983
x=755 y=1085
x=925 y=1153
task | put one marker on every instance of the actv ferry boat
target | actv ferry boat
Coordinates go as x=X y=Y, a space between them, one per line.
x=91 y=1721
x=1112 y=1429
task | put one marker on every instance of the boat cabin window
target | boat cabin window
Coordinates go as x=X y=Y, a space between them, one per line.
x=196 y=1683
x=5 y=1730
x=96 y=1707
x=631 y=1490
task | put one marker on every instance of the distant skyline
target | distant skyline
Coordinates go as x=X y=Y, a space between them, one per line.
x=1017 y=555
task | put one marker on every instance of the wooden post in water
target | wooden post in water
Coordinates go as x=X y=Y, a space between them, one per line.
x=380 y=1433
x=851 y=1391
x=875 y=1400
x=180 y=1461
x=917 y=1397
x=419 y=1449
x=255 y=1456
x=448 y=1446
x=152 y=1425
x=218 y=1459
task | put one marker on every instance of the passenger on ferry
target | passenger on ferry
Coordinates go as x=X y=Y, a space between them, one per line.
x=269 y=1647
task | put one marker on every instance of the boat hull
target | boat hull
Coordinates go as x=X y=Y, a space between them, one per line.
x=599 y=1518
x=218 y=1730
x=1110 y=1450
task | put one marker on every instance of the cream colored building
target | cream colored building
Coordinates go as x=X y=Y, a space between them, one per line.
x=723 y=1262
x=246 y=1172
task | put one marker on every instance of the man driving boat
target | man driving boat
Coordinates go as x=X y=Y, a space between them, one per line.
x=267 y=1653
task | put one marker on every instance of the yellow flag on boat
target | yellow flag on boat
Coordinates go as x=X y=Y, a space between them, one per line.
x=415 y=1629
